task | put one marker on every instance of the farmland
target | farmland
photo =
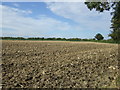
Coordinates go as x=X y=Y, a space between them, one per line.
x=59 y=64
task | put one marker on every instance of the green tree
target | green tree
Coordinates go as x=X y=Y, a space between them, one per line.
x=115 y=6
x=99 y=36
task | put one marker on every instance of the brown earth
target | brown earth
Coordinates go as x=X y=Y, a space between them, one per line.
x=59 y=64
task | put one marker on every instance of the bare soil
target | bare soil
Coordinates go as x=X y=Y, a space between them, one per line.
x=59 y=64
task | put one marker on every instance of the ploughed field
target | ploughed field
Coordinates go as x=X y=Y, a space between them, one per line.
x=59 y=64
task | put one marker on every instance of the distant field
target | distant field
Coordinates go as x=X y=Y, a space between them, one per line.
x=59 y=64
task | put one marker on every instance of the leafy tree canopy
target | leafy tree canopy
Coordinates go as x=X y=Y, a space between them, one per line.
x=115 y=6
x=99 y=36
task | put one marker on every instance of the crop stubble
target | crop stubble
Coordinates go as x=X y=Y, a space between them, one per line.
x=57 y=64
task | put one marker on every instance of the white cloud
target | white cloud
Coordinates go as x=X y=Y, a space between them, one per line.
x=16 y=5
x=16 y=24
x=78 y=12
x=29 y=11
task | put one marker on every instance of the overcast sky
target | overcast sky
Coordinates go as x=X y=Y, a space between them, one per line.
x=39 y=19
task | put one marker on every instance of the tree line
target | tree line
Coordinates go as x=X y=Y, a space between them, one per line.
x=42 y=38
x=98 y=38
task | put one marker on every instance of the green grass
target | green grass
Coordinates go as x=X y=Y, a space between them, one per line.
x=99 y=41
